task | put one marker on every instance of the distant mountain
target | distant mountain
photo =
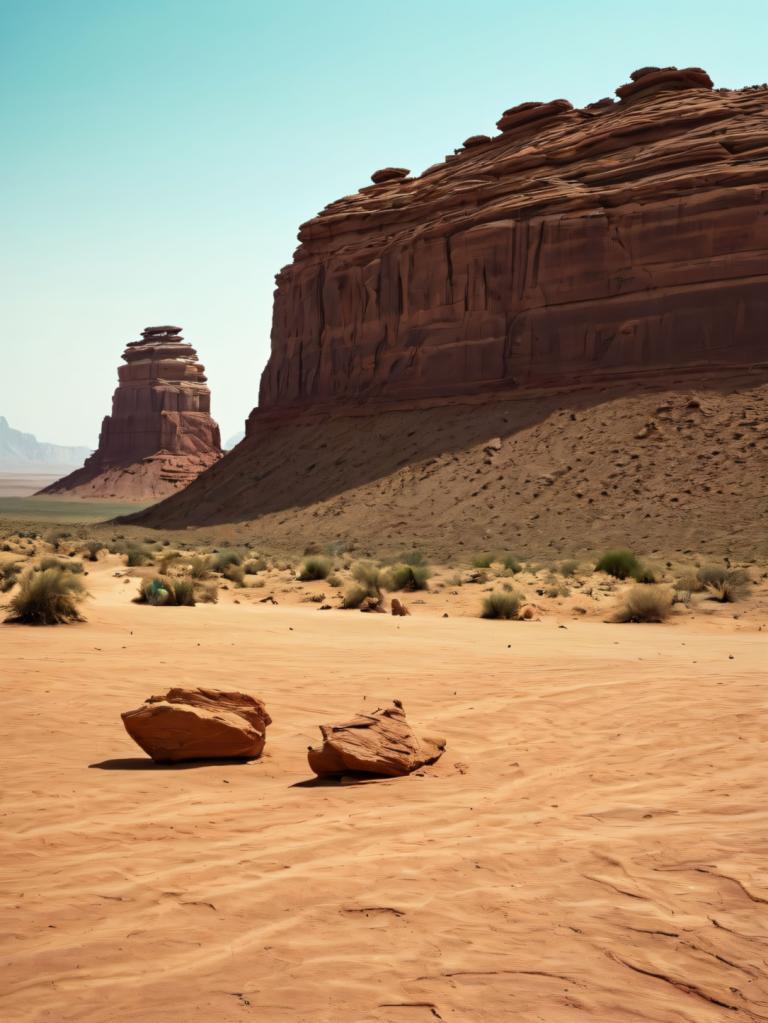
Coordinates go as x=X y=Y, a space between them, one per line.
x=23 y=452
x=234 y=440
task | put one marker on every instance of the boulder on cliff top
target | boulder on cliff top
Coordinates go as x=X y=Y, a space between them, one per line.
x=647 y=81
x=525 y=114
x=476 y=140
x=199 y=724
x=389 y=174
x=379 y=743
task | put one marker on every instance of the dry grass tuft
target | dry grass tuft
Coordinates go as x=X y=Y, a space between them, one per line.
x=501 y=605
x=315 y=567
x=645 y=603
x=47 y=597
x=161 y=591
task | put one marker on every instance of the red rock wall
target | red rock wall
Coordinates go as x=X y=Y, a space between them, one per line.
x=626 y=236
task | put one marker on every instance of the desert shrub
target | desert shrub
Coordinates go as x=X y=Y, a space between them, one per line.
x=222 y=559
x=334 y=580
x=55 y=536
x=47 y=597
x=368 y=575
x=478 y=575
x=557 y=591
x=184 y=592
x=9 y=573
x=483 y=560
x=355 y=595
x=66 y=566
x=711 y=575
x=689 y=582
x=155 y=591
x=91 y=549
x=645 y=603
x=137 y=554
x=254 y=566
x=511 y=564
x=406 y=577
x=316 y=566
x=569 y=569
x=733 y=587
x=455 y=580
x=621 y=564
x=199 y=567
x=235 y=574
x=161 y=591
x=645 y=575
x=369 y=580
x=206 y=593
x=501 y=605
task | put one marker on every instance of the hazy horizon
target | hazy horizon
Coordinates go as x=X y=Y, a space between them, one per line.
x=160 y=156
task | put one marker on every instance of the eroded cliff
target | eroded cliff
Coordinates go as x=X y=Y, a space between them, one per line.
x=625 y=236
x=545 y=294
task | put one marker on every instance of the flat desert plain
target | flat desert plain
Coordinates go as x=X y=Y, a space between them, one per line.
x=592 y=845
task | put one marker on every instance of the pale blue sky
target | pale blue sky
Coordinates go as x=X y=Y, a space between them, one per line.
x=158 y=156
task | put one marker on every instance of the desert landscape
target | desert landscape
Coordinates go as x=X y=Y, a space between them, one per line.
x=437 y=692
x=590 y=842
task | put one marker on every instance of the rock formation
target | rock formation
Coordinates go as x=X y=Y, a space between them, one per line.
x=378 y=743
x=160 y=435
x=199 y=724
x=624 y=237
x=551 y=286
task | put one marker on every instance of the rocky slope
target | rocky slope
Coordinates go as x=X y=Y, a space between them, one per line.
x=21 y=452
x=160 y=435
x=667 y=466
x=546 y=289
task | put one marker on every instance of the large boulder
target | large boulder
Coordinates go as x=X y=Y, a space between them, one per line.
x=378 y=743
x=199 y=724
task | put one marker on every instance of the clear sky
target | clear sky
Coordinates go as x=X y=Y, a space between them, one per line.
x=158 y=156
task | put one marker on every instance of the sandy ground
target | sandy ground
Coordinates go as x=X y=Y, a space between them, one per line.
x=591 y=846
x=24 y=484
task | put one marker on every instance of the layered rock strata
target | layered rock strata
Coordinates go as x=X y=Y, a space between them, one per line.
x=160 y=435
x=626 y=236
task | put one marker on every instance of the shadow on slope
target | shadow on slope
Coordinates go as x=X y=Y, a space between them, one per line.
x=684 y=459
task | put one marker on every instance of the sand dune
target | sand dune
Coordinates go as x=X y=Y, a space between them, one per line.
x=592 y=844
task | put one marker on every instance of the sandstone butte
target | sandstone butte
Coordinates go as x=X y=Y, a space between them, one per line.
x=160 y=435
x=626 y=236
x=624 y=241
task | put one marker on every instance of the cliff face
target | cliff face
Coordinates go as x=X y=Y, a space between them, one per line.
x=160 y=435
x=536 y=344
x=627 y=236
